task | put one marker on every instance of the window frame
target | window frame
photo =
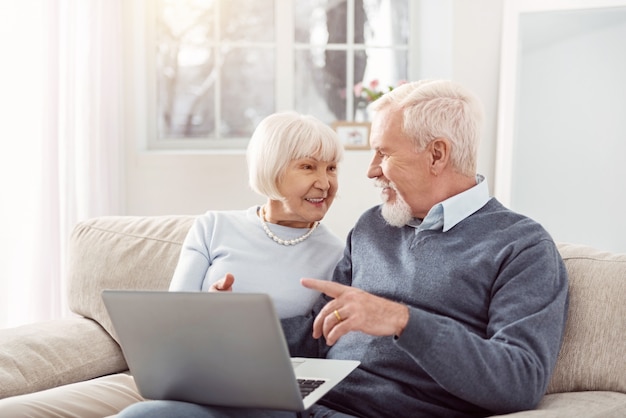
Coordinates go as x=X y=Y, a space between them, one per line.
x=142 y=24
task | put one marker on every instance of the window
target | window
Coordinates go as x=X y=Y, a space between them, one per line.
x=222 y=65
x=338 y=44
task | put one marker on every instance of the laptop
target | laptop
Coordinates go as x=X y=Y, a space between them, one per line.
x=224 y=349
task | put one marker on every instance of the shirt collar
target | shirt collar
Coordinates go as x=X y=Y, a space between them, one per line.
x=445 y=215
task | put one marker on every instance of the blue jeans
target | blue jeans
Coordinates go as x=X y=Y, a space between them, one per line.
x=172 y=409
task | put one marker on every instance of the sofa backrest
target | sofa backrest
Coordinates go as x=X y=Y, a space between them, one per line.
x=121 y=252
x=141 y=253
x=593 y=355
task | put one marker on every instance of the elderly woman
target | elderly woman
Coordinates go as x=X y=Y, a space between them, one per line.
x=292 y=161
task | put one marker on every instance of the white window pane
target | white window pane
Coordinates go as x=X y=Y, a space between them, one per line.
x=247 y=90
x=313 y=18
x=185 y=70
x=246 y=20
x=177 y=17
x=381 y=22
x=320 y=84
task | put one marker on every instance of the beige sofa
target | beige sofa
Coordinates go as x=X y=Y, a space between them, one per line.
x=141 y=252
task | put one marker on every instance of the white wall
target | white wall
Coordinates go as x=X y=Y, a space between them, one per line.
x=569 y=167
x=476 y=41
x=191 y=183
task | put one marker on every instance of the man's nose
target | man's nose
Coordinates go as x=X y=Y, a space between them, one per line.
x=374 y=169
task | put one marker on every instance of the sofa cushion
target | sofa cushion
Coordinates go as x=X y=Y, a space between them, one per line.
x=577 y=405
x=593 y=356
x=121 y=252
x=47 y=354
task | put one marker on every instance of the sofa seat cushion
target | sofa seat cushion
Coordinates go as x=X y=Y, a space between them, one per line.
x=121 y=252
x=39 y=356
x=96 y=398
x=577 y=405
x=593 y=355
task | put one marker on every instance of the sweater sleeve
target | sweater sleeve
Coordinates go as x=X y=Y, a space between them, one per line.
x=194 y=260
x=508 y=368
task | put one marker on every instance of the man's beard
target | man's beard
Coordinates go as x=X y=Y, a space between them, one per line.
x=397 y=213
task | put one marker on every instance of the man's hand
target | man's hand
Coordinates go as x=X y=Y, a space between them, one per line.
x=353 y=309
x=225 y=284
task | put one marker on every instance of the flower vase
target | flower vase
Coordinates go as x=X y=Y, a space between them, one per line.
x=360 y=112
x=370 y=113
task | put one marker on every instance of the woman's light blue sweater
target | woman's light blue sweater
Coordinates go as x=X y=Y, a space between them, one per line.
x=221 y=242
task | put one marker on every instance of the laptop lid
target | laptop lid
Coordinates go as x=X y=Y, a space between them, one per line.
x=225 y=349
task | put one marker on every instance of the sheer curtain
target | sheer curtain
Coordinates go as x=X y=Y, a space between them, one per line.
x=62 y=158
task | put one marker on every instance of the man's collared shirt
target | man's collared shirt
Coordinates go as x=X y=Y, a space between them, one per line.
x=446 y=214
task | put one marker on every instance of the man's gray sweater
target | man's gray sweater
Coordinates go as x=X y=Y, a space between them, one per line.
x=487 y=301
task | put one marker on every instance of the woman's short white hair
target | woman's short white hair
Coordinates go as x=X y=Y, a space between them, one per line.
x=440 y=109
x=281 y=138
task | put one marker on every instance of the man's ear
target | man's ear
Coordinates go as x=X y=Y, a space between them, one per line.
x=440 y=154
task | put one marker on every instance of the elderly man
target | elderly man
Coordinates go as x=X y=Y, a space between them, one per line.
x=454 y=305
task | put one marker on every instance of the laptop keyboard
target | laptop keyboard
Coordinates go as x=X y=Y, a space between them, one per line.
x=308 y=385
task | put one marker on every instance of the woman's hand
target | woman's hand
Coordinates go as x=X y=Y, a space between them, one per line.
x=225 y=284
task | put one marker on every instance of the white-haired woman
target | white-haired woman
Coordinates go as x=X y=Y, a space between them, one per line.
x=292 y=162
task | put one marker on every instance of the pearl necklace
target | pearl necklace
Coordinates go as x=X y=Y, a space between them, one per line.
x=280 y=240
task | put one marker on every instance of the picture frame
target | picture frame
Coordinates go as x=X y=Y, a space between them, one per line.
x=353 y=135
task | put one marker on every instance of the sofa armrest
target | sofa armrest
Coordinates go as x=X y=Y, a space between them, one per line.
x=121 y=252
x=47 y=354
x=593 y=354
